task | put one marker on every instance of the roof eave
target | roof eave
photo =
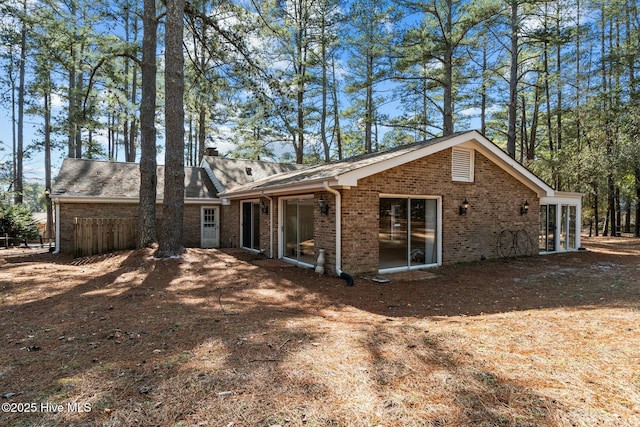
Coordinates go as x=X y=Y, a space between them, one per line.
x=60 y=198
x=281 y=189
x=513 y=167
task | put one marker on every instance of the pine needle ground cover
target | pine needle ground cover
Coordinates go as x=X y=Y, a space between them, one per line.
x=224 y=338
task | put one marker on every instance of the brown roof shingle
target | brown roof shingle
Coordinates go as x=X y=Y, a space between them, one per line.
x=104 y=179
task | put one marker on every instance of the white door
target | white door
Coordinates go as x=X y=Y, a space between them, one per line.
x=210 y=228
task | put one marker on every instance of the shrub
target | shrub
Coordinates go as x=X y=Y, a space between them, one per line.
x=17 y=221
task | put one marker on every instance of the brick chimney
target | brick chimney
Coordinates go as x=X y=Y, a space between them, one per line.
x=211 y=151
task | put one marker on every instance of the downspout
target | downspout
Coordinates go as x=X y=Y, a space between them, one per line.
x=338 y=209
x=270 y=199
x=57 y=249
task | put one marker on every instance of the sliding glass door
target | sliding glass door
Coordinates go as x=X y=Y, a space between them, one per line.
x=408 y=232
x=298 y=238
x=547 y=228
x=251 y=225
x=558 y=236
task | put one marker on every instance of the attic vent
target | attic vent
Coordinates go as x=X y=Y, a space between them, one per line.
x=462 y=164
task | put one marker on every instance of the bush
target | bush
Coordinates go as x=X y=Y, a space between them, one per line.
x=17 y=221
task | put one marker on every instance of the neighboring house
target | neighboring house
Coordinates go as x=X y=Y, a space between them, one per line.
x=450 y=199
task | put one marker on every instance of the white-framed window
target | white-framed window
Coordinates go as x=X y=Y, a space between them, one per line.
x=462 y=163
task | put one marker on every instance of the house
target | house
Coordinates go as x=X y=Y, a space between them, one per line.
x=446 y=200
x=110 y=190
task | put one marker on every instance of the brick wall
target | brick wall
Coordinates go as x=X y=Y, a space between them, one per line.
x=230 y=216
x=69 y=211
x=494 y=197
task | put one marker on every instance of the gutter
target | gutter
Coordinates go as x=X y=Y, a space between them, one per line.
x=132 y=200
x=338 y=209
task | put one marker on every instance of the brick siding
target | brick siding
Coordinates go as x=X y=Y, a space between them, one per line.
x=494 y=200
x=494 y=197
x=70 y=211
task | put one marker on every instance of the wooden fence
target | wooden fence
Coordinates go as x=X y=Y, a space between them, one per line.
x=92 y=236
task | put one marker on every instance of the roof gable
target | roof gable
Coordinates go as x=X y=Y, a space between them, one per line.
x=346 y=173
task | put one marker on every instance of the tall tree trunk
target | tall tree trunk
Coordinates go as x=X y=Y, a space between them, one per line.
x=133 y=131
x=448 y=76
x=368 y=114
x=524 y=139
x=547 y=94
x=578 y=71
x=47 y=154
x=324 y=83
x=71 y=109
x=148 y=168
x=559 y=83
x=171 y=239
x=531 y=146
x=636 y=228
x=127 y=94
x=202 y=131
x=485 y=83
x=596 y=203
x=627 y=214
x=336 y=110
x=18 y=197
x=611 y=211
x=299 y=148
x=78 y=103
x=513 y=81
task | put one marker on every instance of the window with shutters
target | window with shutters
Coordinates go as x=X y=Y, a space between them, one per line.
x=462 y=165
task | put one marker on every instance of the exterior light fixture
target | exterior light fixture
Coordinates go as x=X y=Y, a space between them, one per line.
x=524 y=209
x=323 y=206
x=263 y=207
x=47 y=192
x=464 y=207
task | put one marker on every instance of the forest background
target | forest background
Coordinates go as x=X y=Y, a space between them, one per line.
x=554 y=83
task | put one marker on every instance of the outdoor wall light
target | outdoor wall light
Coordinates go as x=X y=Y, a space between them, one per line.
x=524 y=209
x=47 y=192
x=464 y=207
x=263 y=207
x=323 y=206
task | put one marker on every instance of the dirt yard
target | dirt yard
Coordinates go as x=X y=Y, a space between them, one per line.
x=226 y=338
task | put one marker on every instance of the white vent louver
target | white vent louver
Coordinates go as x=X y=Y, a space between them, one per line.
x=462 y=165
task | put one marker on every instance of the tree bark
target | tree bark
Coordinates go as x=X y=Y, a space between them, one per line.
x=171 y=239
x=18 y=197
x=336 y=110
x=636 y=228
x=47 y=155
x=513 y=81
x=148 y=169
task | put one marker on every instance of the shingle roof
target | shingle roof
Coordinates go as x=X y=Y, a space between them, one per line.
x=330 y=170
x=230 y=173
x=104 y=179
